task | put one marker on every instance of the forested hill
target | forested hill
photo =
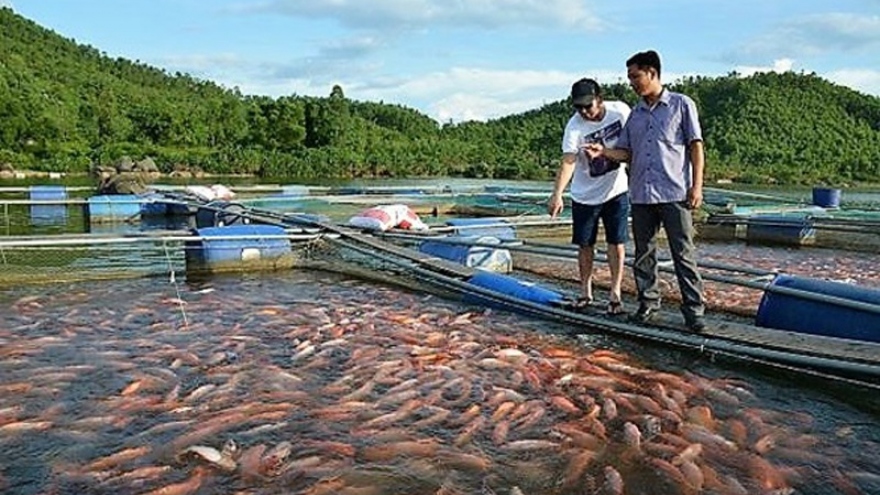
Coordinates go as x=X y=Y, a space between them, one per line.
x=68 y=107
x=788 y=127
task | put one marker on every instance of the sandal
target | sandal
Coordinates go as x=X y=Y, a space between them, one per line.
x=615 y=308
x=583 y=302
x=580 y=304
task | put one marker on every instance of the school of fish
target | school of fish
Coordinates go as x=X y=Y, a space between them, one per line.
x=837 y=265
x=322 y=385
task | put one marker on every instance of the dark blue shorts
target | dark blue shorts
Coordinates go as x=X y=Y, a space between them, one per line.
x=585 y=221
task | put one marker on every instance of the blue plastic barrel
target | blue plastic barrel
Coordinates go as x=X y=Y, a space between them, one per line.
x=492 y=227
x=796 y=314
x=154 y=205
x=794 y=230
x=237 y=247
x=154 y=209
x=48 y=214
x=510 y=286
x=826 y=197
x=157 y=205
x=113 y=207
x=179 y=209
x=483 y=257
x=221 y=213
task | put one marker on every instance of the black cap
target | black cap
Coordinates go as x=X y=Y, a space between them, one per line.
x=583 y=92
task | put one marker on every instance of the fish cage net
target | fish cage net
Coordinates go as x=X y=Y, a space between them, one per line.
x=71 y=258
x=59 y=261
x=66 y=259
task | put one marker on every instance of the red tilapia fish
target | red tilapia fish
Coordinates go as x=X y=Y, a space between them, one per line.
x=360 y=389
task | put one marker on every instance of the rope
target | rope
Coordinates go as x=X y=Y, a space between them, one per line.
x=173 y=280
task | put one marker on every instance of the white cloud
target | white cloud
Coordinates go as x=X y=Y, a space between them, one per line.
x=814 y=35
x=864 y=80
x=461 y=93
x=457 y=94
x=409 y=14
x=781 y=65
x=460 y=107
x=7 y=3
x=342 y=56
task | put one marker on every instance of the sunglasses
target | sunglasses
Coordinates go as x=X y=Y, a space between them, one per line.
x=582 y=107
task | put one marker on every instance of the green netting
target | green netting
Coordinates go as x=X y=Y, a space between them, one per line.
x=55 y=259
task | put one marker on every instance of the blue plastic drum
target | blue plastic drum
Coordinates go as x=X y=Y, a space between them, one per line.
x=797 y=314
x=826 y=197
x=512 y=287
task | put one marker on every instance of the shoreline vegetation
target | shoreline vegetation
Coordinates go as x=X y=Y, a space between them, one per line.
x=9 y=175
x=70 y=109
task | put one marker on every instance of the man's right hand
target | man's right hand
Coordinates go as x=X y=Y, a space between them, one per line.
x=593 y=150
x=554 y=206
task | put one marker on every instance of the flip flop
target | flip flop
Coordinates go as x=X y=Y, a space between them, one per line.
x=579 y=304
x=583 y=302
x=615 y=308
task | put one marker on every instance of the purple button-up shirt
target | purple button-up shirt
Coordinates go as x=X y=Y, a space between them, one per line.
x=658 y=138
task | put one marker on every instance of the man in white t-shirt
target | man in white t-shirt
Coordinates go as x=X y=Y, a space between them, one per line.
x=598 y=186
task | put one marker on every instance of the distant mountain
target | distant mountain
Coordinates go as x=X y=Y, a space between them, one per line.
x=67 y=107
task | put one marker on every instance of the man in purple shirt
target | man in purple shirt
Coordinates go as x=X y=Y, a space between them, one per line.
x=663 y=143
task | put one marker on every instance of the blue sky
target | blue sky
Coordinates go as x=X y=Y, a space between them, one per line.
x=469 y=59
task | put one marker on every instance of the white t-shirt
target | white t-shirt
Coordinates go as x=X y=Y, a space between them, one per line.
x=596 y=181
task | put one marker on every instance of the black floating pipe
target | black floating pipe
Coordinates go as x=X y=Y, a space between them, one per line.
x=763 y=286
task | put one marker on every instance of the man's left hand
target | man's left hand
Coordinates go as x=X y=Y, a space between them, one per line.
x=695 y=197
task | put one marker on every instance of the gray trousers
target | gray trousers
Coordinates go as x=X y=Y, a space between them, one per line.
x=677 y=221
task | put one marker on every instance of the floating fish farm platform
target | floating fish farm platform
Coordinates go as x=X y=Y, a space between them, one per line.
x=256 y=350
x=801 y=323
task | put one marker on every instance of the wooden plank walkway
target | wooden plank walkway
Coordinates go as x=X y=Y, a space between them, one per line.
x=740 y=330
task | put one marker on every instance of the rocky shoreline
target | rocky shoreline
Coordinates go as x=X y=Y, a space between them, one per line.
x=146 y=167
